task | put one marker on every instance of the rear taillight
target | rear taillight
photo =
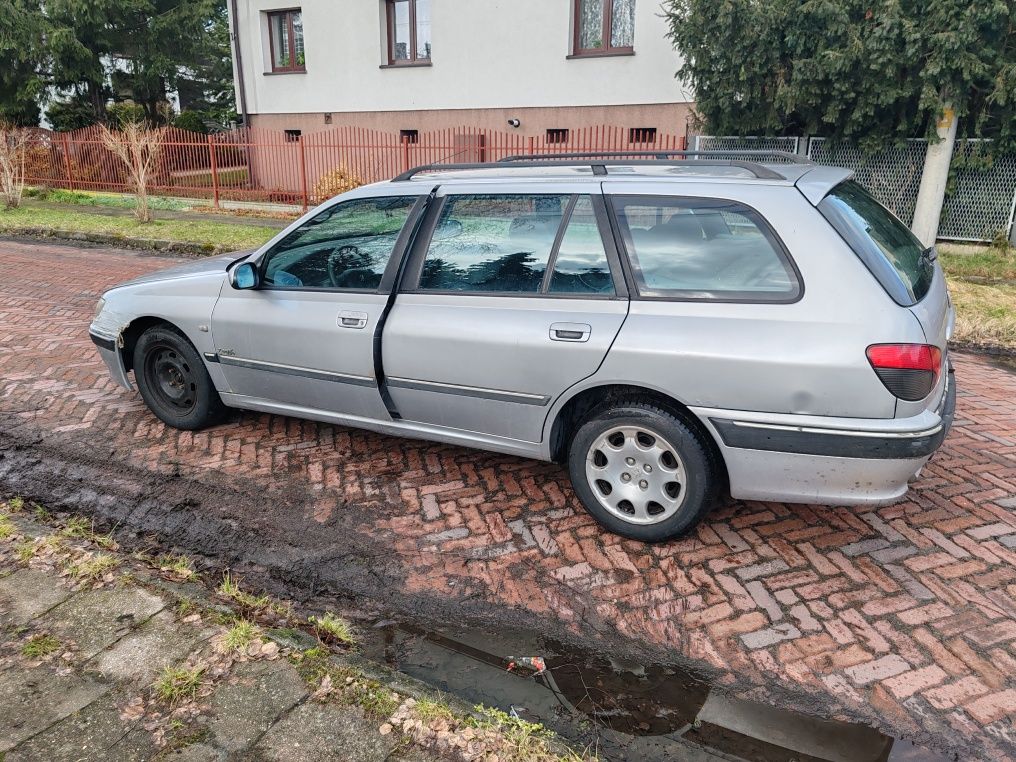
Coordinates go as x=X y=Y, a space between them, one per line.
x=909 y=371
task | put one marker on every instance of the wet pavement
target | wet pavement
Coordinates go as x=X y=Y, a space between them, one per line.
x=902 y=618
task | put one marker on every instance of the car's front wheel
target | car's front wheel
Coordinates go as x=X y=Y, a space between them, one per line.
x=173 y=380
x=642 y=472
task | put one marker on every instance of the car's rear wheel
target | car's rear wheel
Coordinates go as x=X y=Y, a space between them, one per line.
x=641 y=471
x=173 y=380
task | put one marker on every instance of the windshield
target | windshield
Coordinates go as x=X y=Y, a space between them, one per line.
x=894 y=255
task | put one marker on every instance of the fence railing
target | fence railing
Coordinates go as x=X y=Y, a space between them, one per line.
x=275 y=166
x=980 y=200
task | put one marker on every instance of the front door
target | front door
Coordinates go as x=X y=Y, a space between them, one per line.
x=509 y=299
x=305 y=337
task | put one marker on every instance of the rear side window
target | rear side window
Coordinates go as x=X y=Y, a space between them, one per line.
x=886 y=246
x=709 y=249
x=517 y=244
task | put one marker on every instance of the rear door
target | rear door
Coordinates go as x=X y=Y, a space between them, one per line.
x=510 y=298
x=305 y=337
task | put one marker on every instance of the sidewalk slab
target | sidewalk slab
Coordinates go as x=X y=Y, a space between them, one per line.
x=35 y=699
x=96 y=732
x=26 y=594
x=95 y=619
x=144 y=653
x=255 y=698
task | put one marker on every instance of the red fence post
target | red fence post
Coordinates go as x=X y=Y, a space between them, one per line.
x=215 y=172
x=67 y=160
x=405 y=153
x=529 y=145
x=303 y=172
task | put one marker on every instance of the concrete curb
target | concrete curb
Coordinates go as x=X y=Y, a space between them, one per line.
x=119 y=241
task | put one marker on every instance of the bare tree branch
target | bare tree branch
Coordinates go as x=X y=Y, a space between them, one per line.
x=138 y=147
x=13 y=149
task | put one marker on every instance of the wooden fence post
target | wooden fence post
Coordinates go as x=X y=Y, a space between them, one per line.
x=215 y=172
x=303 y=173
x=67 y=160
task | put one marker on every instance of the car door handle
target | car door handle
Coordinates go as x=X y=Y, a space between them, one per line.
x=570 y=332
x=352 y=319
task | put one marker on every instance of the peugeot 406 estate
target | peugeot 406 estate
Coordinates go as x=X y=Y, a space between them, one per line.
x=670 y=328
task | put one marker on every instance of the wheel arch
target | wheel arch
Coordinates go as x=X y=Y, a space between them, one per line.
x=584 y=402
x=132 y=332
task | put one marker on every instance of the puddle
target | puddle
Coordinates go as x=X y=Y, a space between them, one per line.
x=624 y=710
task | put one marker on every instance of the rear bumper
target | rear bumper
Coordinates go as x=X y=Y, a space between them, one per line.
x=822 y=460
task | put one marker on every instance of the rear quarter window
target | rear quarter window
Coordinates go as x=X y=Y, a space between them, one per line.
x=893 y=254
x=704 y=249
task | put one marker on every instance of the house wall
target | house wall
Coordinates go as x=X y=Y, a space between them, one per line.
x=487 y=54
x=673 y=118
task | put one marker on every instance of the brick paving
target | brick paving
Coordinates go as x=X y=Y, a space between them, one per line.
x=903 y=615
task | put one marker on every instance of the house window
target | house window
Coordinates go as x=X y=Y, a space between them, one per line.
x=409 y=136
x=408 y=32
x=604 y=27
x=285 y=33
x=642 y=135
x=293 y=136
x=557 y=136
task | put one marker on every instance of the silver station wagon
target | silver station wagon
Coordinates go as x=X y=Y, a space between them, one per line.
x=670 y=327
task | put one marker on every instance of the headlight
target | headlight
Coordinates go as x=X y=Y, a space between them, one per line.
x=98 y=308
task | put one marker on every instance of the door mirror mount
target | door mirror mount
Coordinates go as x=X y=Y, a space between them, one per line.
x=244 y=277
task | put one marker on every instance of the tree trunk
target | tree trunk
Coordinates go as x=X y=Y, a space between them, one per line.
x=931 y=194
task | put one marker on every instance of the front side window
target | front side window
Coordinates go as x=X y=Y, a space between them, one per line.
x=887 y=247
x=704 y=249
x=346 y=246
x=409 y=39
x=516 y=244
x=604 y=26
x=285 y=31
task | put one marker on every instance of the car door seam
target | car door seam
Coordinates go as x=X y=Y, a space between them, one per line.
x=405 y=254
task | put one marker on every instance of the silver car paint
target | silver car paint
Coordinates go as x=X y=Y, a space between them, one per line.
x=722 y=360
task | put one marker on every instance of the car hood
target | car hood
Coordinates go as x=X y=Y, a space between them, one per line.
x=205 y=266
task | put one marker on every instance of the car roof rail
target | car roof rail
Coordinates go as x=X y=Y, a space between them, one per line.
x=748 y=153
x=598 y=161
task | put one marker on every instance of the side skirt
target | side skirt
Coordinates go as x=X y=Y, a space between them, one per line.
x=397 y=428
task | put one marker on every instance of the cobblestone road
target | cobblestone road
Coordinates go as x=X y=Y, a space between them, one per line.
x=903 y=615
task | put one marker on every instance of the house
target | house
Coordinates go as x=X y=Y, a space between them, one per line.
x=537 y=68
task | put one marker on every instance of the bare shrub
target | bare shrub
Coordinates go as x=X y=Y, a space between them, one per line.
x=14 y=142
x=138 y=147
x=331 y=184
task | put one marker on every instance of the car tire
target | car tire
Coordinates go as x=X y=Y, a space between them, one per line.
x=174 y=382
x=641 y=471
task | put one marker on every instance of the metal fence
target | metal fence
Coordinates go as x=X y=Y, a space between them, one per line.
x=276 y=166
x=980 y=200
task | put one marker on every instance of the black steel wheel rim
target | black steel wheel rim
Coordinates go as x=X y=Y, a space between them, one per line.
x=171 y=378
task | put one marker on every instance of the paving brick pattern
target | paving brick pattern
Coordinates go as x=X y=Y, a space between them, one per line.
x=904 y=615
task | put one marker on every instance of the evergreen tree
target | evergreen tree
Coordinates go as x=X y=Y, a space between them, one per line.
x=863 y=70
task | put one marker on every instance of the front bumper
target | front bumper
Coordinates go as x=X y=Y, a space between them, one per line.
x=111 y=355
x=822 y=460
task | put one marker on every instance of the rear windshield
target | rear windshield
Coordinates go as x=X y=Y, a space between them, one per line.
x=888 y=248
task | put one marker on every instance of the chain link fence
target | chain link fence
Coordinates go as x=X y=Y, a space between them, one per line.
x=980 y=200
x=713 y=143
x=893 y=175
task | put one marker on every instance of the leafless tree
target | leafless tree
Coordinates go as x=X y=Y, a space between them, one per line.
x=14 y=143
x=138 y=147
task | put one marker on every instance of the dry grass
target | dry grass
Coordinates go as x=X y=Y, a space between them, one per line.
x=985 y=314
